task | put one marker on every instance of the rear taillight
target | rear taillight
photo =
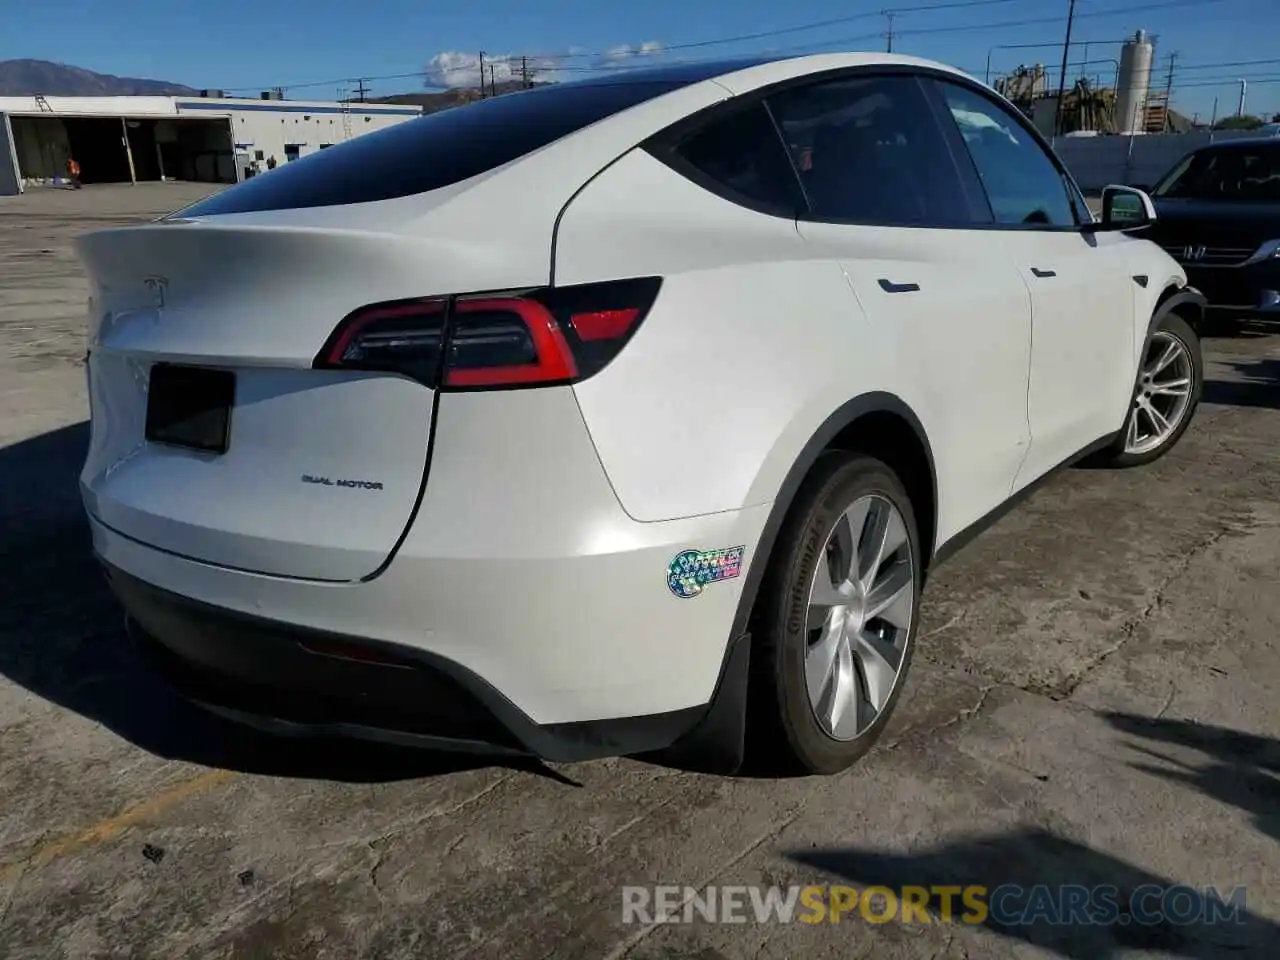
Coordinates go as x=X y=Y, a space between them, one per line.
x=541 y=337
x=404 y=337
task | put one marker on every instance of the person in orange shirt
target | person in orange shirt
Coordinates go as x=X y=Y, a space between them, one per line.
x=73 y=172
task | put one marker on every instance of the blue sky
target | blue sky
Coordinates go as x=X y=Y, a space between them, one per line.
x=288 y=42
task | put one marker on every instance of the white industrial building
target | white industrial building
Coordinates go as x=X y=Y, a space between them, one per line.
x=212 y=139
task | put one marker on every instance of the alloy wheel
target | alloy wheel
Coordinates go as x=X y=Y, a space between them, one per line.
x=861 y=605
x=1163 y=395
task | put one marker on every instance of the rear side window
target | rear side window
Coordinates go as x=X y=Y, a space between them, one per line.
x=869 y=150
x=437 y=150
x=741 y=157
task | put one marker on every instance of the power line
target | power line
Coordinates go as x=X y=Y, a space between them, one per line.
x=783 y=31
x=814 y=25
x=1228 y=63
x=1226 y=82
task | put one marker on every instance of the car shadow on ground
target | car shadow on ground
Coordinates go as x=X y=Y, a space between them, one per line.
x=1258 y=385
x=62 y=638
x=1239 y=769
x=1029 y=858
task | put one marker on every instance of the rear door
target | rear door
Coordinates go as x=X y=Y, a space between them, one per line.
x=1082 y=294
x=887 y=200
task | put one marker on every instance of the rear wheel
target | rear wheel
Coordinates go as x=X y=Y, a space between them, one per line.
x=1165 y=397
x=837 y=620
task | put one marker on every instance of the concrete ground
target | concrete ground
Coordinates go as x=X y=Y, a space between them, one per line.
x=1095 y=699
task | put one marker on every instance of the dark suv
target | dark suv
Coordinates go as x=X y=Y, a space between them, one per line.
x=1219 y=216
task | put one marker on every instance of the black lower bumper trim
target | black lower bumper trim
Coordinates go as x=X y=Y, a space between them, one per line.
x=251 y=666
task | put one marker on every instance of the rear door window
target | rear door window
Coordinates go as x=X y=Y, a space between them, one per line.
x=439 y=149
x=870 y=150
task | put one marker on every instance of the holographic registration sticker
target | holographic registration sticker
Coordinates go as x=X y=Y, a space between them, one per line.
x=691 y=570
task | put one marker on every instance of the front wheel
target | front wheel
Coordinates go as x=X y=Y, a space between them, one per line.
x=836 y=628
x=1165 y=396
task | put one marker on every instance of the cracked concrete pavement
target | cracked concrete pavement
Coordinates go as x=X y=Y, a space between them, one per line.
x=1095 y=699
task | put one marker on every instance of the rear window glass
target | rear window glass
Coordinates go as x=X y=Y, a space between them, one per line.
x=436 y=150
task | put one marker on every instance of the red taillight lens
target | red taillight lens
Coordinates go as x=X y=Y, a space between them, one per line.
x=405 y=337
x=494 y=343
x=604 y=324
x=529 y=338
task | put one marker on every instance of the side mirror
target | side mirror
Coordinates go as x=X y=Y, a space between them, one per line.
x=1126 y=208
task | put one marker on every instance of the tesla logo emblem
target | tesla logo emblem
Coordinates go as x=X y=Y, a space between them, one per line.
x=1193 y=253
x=158 y=287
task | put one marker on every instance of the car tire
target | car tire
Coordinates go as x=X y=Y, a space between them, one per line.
x=789 y=652
x=1133 y=447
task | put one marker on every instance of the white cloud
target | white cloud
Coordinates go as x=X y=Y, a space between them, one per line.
x=458 y=69
x=454 y=68
x=626 y=53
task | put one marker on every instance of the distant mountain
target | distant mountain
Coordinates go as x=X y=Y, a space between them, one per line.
x=20 y=78
x=433 y=102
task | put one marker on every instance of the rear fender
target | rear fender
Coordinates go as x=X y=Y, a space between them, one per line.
x=821 y=440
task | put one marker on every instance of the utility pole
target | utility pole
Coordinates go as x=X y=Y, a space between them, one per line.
x=1168 y=90
x=1062 y=77
x=361 y=90
x=1244 y=85
x=888 y=36
x=493 y=91
x=481 y=74
x=524 y=72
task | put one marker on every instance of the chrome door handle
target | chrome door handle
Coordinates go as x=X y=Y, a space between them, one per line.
x=1043 y=273
x=888 y=286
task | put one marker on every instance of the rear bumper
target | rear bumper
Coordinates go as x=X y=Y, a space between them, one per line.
x=294 y=679
x=1254 y=288
x=520 y=568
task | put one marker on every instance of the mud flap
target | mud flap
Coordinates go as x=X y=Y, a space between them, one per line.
x=718 y=743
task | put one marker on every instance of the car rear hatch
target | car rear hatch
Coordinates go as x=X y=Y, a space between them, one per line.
x=214 y=438
x=232 y=423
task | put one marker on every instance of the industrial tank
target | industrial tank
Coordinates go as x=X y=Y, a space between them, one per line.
x=1135 y=81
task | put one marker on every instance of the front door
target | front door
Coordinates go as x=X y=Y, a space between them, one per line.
x=1081 y=298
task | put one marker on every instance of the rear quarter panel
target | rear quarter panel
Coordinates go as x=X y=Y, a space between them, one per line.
x=754 y=341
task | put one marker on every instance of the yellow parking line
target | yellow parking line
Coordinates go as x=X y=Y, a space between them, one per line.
x=111 y=827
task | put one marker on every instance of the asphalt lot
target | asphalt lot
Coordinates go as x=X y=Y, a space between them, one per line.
x=1095 y=699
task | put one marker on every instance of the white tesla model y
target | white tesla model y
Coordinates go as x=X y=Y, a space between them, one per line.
x=605 y=417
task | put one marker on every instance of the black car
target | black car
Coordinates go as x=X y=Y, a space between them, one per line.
x=1218 y=214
